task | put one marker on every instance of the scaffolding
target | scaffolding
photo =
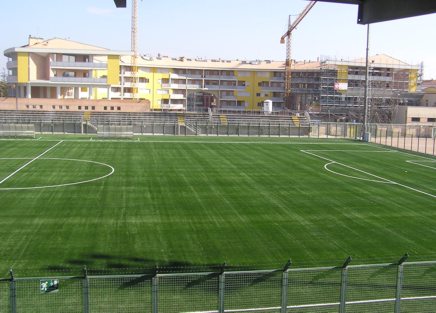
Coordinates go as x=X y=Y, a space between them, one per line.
x=340 y=85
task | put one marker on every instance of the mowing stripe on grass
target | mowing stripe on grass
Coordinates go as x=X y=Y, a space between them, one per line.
x=34 y=159
x=310 y=152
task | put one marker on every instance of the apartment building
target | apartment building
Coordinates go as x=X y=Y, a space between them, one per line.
x=64 y=69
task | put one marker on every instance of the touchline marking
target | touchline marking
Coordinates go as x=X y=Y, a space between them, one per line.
x=415 y=162
x=34 y=159
x=367 y=173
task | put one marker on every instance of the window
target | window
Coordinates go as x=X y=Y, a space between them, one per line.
x=416 y=119
x=60 y=107
x=93 y=108
x=86 y=107
x=119 y=108
x=53 y=107
x=68 y=107
x=112 y=108
x=27 y=106
x=68 y=74
x=431 y=119
x=105 y=108
x=41 y=107
x=79 y=107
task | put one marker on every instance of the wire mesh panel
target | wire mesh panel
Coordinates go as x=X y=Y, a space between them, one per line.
x=245 y=290
x=314 y=286
x=41 y=295
x=120 y=294
x=377 y=307
x=188 y=292
x=4 y=296
x=419 y=281
x=371 y=283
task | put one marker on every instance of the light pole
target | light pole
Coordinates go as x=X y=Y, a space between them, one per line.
x=365 y=136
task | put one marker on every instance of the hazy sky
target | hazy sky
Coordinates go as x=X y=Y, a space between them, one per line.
x=228 y=29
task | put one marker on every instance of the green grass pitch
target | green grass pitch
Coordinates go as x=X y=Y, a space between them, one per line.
x=202 y=201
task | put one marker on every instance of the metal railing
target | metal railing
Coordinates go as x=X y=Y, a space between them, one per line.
x=392 y=287
x=416 y=138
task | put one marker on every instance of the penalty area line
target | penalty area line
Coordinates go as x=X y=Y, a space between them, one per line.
x=310 y=152
x=28 y=163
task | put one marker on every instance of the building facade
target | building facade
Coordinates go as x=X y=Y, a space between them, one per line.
x=64 y=69
x=329 y=83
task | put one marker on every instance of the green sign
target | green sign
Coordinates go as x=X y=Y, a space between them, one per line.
x=49 y=285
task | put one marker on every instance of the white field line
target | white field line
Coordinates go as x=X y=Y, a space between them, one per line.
x=286 y=141
x=367 y=173
x=415 y=162
x=112 y=170
x=348 y=176
x=34 y=159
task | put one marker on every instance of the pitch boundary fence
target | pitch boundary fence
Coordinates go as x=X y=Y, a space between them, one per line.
x=391 y=287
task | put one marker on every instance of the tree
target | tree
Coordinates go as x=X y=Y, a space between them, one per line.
x=3 y=85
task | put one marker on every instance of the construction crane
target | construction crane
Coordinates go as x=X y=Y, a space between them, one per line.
x=134 y=41
x=287 y=37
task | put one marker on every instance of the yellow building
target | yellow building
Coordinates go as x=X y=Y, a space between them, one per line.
x=64 y=69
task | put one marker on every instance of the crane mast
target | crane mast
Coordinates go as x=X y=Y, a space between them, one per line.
x=287 y=37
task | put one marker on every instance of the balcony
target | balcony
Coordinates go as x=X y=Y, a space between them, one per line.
x=11 y=79
x=276 y=99
x=278 y=89
x=11 y=64
x=193 y=86
x=177 y=96
x=131 y=84
x=78 y=65
x=233 y=98
x=78 y=80
x=278 y=79
x=173 y=107
x=212 y=87
x=174 y=86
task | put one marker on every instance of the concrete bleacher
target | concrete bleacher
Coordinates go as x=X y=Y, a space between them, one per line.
x=127 y=118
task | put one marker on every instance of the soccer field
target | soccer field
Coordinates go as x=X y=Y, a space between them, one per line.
x=182 y=201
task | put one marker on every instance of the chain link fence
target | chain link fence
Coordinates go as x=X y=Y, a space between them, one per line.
x=202 y=128
x=399 y=287
x=417 y=138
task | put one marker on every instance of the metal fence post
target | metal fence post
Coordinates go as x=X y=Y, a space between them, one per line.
x=221 y=289
x=85 y=290
x=154 y=292
x=344 y=279
x=285 y=281
x=399 y=283
x=12 y=293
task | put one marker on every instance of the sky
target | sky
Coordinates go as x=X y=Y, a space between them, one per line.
x=226 y=29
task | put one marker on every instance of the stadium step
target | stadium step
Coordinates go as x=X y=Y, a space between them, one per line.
x=223 y=120
x=181 y=120
x=296 y=120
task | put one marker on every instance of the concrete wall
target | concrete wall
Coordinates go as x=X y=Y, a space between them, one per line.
x=74 y=104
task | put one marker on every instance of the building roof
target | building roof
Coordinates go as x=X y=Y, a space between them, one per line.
x=382 y=59
x=182 y=62
x=59 y=45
